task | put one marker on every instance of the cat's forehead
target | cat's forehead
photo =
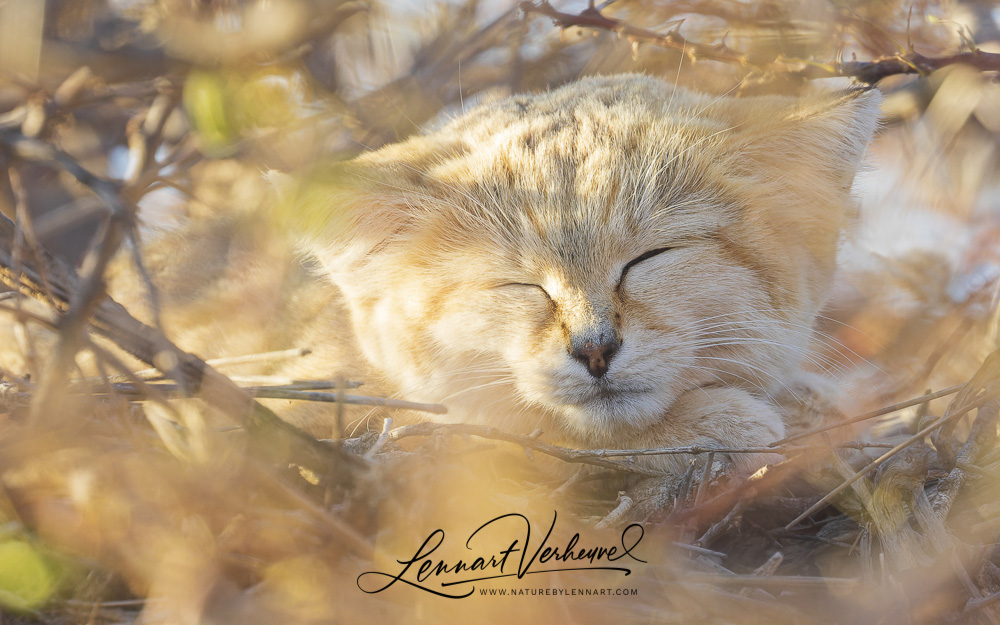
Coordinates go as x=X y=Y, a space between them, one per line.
x=583 y=237
x=570 y=171
x=578 y=236
x=598 y=100
x=583 y=147
x=582 y=179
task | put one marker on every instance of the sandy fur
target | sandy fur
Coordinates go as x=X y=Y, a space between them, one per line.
x=471 y=258
x=459 y=267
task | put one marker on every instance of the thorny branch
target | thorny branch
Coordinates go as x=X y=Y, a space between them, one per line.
x=593 y=18
x=597 y=457
x=85 y=302
x=977 y=393
x=982 y=437
x=562 y=453
x=867 y=72
x=58 y=285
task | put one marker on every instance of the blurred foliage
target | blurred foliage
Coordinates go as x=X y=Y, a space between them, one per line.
x=182 y=103
x=27 y=580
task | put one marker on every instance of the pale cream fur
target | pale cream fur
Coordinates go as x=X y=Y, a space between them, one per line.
x=464 y=263
x=435 y=243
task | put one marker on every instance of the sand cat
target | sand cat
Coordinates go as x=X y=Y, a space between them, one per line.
x=618 y=262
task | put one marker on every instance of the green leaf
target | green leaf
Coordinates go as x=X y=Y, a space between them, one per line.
x=206 y=98
x=26 y=578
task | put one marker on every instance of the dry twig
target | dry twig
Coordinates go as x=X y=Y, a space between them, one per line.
x=562 y=453
x=867 y=72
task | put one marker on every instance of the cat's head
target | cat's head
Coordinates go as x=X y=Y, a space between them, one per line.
x=581 y=258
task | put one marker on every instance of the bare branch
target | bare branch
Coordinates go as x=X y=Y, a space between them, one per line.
x=951 y=390
x=593 y=18
x=867 y=72
x=277 y=439
x=961 y=405
x=871 y=72
x=563 y=453
x=982 y=437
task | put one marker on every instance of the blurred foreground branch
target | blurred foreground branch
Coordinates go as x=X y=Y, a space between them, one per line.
x=867 y=72
x=593 y=18
x=85 y=301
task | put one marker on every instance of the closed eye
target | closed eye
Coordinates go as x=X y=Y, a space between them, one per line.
x=535 y=286
x=638 y=259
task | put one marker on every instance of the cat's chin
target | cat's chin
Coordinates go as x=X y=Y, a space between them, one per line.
x=611 y=416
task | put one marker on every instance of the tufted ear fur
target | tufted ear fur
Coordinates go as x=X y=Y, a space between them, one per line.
x=792 y=163
x=343 y=212
x=795 y=159
x=821 y=138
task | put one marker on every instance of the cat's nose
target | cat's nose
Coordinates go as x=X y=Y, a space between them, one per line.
x=596 y=356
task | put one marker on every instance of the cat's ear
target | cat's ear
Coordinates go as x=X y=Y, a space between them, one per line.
x=822 y=138
x=792 y=166
x=342 y=212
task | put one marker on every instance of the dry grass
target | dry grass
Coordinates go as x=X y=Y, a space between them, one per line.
x=171 y=495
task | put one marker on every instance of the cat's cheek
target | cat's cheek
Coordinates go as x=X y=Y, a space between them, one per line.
x=535 y=352
x=650 y=356
x=471 y=320
x=518 y=329
x=464 y=330
x=537 y=355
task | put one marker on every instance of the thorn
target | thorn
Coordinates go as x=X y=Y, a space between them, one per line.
x=722 y=44
x=909 y=39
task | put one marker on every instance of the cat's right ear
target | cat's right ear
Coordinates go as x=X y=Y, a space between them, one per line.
x=819 y=139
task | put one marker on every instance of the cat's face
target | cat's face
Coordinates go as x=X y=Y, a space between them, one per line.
x=580 y=259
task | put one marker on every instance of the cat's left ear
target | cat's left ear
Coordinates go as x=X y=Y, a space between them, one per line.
x=820 y=137
x=340 y=211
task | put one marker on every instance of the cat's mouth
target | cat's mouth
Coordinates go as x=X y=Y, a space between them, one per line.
x=604 y=394
x=608 y=394
x=606 y=407
x=608 y=411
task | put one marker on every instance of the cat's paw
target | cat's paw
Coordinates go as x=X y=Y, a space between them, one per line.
x=725 y=418
x=808 y=400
